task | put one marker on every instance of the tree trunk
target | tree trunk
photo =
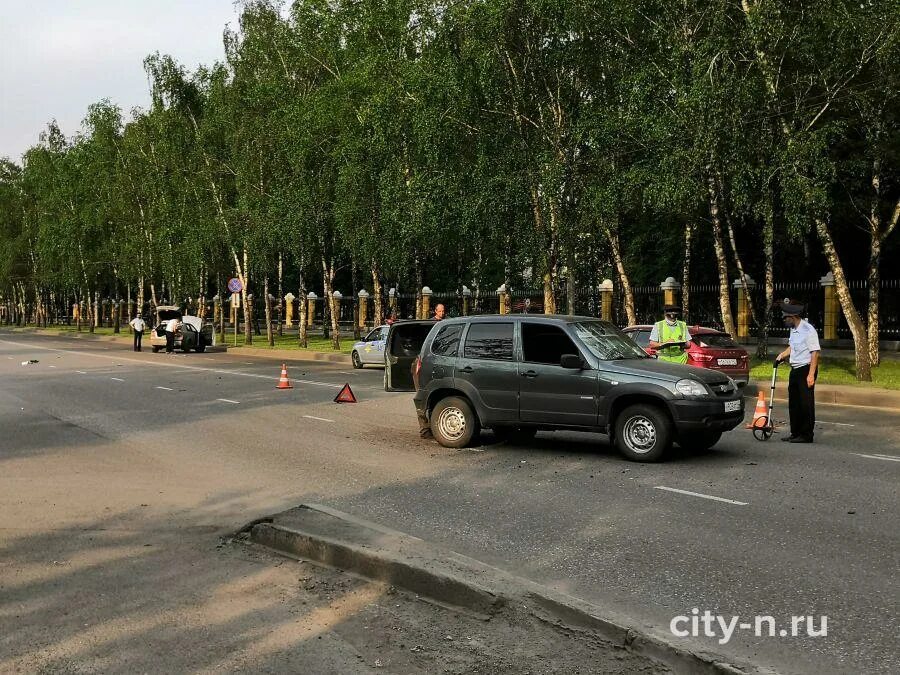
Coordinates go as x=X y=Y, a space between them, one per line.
x=354 y=299
x=377 y=289
x=768 y=235
x=331 y=304
x=863 y=366
x=270 y=336
x=570 y=283
x=303 y=330
x=280 y=294
x=721 y=262
x=244 y=275
x=686 y=274
x=874 y=278
x=612 y=234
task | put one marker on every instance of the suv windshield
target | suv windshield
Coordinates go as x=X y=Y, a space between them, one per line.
x=606 y=342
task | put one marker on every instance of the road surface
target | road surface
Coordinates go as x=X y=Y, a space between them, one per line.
x=105 y=452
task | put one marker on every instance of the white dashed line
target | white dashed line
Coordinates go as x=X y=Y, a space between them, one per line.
x=117 y=379
x=82 y=372
x=51 y=366
x=321 y=419
x=698 y=494
x=165 y=388
x=884 y=457
x=837 y=424
x=227 y=400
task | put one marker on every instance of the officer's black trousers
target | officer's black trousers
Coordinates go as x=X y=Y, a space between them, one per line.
x=802 y=403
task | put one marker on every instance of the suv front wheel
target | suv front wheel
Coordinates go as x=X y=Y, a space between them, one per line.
x=643 y=433
x=453 y=423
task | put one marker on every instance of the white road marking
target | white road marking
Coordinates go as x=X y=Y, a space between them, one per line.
x=884 y=457
x=117 y=379
x=169 y=364
x=51 y=366
x=837 y=424
x=227 y=400
x=165 y=388
x=321 y=419
x=83 y=372
x=699 y=494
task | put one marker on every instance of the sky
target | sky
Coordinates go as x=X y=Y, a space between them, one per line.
x=59 y=56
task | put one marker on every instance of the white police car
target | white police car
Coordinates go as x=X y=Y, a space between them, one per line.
x=370 y=349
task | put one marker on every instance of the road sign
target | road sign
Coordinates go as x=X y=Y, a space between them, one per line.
x=235 y=301
x=235 y=285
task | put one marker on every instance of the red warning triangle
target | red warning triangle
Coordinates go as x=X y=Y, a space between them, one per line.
x=345 y=395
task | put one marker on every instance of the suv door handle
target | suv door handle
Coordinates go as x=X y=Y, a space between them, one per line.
x=467 y=369
x=529 y=373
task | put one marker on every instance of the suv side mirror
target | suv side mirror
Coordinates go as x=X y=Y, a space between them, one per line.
x=573 y=361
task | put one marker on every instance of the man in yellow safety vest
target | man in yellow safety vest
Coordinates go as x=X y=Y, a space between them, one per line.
x=670 y=337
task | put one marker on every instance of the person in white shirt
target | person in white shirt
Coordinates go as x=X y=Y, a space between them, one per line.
x=137 y=325
x=171 y=329
x=803 y=355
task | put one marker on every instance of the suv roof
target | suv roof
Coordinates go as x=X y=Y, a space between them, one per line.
x=695 y=329
x=493 y=318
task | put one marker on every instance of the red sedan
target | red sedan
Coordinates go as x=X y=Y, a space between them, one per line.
x=709 y=348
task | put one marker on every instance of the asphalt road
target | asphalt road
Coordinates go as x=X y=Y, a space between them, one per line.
x=94 y=437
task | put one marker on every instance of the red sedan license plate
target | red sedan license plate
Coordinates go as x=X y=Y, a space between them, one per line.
x=727 y=362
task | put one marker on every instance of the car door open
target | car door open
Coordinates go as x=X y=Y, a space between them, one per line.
x=404 y=340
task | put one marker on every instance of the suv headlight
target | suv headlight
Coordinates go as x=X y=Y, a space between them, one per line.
x=690 y=388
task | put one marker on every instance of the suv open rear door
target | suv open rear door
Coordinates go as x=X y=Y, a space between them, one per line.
x=404 y=340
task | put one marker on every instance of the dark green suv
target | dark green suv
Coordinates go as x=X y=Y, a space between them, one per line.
x=517 y=374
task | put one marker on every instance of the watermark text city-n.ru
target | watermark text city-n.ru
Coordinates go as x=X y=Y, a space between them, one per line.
x=708 y=624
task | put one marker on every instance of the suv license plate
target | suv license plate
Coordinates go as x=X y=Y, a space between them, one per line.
x=732 y=406
x=727 y=362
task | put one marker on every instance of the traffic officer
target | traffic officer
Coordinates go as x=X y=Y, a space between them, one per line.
x=803 y=355
x=674 y=334
x=137 y=325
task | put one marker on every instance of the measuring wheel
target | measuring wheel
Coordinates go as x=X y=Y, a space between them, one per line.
x=762 y=430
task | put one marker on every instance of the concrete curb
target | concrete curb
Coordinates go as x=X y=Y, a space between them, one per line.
x=325 y=536
x=834 y=394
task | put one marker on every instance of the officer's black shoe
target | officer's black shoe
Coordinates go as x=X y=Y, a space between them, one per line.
x=788 y=439
x=801 y=439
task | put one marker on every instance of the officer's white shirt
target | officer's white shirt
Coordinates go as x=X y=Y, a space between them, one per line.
x=654 y=332
x=803 y=341
x=137 y=323
x=172 y=325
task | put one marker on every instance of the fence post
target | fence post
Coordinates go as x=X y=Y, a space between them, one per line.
x=363 y=307
x=311 y=304
x=289 y=310
x=338 y=296
x=504 y=299
x=466 y=294
x=670 y=287
x=606 y=296
x=426 y=302
x=832 y=307
x=743 y=305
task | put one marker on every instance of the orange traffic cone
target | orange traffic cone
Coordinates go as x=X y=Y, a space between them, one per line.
x=284 y=382
x=761 y=412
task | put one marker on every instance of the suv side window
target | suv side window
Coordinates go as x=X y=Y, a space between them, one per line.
x=446 y=342
x=490 y=341
x=544 y=343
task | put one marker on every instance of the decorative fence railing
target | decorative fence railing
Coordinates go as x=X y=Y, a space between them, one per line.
x=703 y=306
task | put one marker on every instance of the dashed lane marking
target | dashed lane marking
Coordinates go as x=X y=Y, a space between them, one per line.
x=313 y=417
x=165 y=388
x=117 y=379
x=218 y=371
x=227 y=400
x=699 y=494
x=886 y=458
x=837 y=424
x=82 y=372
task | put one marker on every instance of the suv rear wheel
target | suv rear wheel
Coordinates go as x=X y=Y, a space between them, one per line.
x=453 y=423
x=643 y=433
